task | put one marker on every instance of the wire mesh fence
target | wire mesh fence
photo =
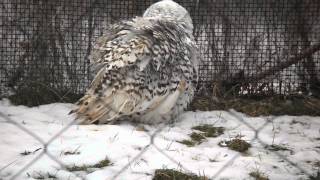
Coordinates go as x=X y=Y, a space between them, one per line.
x=260 y=47
x=46 y=148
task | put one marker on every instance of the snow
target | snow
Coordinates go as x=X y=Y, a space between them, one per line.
x=125 y=142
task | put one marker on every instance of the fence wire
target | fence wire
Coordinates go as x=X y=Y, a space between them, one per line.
x=253 y=45
x=46 y=44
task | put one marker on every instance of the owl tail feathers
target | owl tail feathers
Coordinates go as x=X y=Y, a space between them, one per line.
x=89 y=109
x=92 y=108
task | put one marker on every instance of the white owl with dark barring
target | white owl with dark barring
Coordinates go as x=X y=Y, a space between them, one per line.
x=145 y=68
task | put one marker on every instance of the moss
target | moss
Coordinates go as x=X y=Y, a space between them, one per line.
x=209 y=130
x=258 y=175
x=170 y=174
x=236 y=144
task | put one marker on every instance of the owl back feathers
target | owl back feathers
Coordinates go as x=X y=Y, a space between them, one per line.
x=142 y=68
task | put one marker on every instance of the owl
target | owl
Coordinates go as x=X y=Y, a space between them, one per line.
x=145 y=69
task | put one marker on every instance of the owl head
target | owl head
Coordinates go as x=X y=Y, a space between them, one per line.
x=171 y=10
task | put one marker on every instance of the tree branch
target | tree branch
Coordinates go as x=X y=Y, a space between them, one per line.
x=284 y=64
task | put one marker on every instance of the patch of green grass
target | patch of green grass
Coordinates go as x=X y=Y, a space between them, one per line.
x=25 y=153
x=209 y=130
x=206 y=131
x=103 y=163
x=258 y=175
x=66 y=153
x=316 y=176
x=236 y=144
x=100 y=164
x=317 y=164
x=71 y=152
x=213 y=160
x=197 y=137
x=77 y=168
x=170 y=174
x=275 y=147
x=188 y=143
x=43 y=176
x=51 y=176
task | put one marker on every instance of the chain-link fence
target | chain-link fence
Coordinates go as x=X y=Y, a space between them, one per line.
x=286 y=164
x=260 y=47
x=254 y=47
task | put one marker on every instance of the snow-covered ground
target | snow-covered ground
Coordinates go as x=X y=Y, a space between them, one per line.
x=86 y=145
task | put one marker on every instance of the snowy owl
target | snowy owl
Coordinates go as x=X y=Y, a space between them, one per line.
x=145 y=68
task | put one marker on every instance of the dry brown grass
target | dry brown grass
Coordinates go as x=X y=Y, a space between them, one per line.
x=257 y=106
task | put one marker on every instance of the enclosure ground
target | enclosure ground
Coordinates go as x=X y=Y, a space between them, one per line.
x=280 y=147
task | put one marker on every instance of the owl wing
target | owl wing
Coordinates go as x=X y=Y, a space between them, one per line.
x=132 y=64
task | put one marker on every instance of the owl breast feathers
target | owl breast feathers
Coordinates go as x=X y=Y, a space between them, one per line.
x=145 y=70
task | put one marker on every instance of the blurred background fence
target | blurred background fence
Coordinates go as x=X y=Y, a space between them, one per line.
x=252 y=47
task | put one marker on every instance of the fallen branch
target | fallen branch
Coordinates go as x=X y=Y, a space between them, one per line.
x=282 y=65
